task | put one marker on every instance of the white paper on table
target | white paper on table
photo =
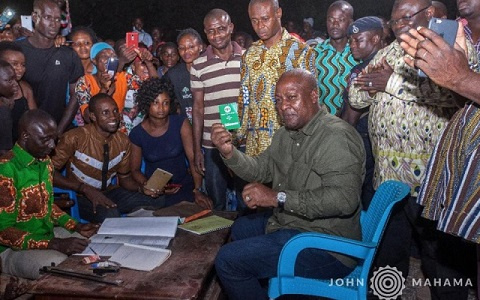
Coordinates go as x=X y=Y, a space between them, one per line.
x=102 y=249
x=141 y=213
x=153 y=241
x=142 y=226
x=142 y=258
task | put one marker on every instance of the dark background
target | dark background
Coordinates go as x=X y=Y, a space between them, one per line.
x=112 y=18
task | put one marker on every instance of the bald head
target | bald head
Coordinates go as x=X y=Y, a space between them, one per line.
x=35 y=117
x=343 y=6
x=274 y=3
x=302 y=76
x=217 y=13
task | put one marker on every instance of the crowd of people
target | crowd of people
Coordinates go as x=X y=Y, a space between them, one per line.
x=324 y=120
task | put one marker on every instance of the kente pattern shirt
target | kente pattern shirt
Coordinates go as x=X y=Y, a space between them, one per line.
x=27 y=211
x=405 y=121
x=261 y=67
x=333 y=69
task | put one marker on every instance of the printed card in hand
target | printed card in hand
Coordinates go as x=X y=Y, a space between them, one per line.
x=229 y=116
x=158 y=180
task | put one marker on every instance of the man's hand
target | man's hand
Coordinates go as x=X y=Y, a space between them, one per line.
x=375 y=78
x=126 y=55
x=144 y=54
x=87 y=230
x=443 y=64
x=59 y=41
x=202 y=200
x=68 y=246
x=97 y=198
x=258 y=195
x=222 y=139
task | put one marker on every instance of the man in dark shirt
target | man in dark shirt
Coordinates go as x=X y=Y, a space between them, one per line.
x=51 y=70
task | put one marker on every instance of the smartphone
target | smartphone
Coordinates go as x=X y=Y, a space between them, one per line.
x=173 y=185
x=131 y=39
x=27 y=22
x=112 y=66
x=5 y=17
x=447 y=29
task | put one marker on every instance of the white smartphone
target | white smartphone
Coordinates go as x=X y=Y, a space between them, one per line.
x=27 y=22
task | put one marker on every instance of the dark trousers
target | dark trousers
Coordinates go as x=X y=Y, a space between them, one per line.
x=443 y=257
x=126 y=202
x=253 y=255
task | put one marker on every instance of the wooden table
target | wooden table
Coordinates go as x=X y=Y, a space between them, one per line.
x=187 y=274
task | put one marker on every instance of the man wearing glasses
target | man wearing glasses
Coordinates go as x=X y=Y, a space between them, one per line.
x=51 y=70
x=407 y=115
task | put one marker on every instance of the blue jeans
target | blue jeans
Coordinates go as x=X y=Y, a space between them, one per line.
x=126 y=202
x=217 y=177
x=253 y=255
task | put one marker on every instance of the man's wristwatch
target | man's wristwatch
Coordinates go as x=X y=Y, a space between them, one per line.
x=281 y=198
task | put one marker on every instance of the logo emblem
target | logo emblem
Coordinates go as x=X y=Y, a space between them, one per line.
x=355 y=29
x=387 y=283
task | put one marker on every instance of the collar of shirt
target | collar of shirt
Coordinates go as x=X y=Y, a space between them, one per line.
x=327 y=46
x=237 y=51
x=285 y=36
x=24 y=158
x=96 y=135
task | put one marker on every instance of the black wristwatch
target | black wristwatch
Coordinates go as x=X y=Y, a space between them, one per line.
x=281 y=199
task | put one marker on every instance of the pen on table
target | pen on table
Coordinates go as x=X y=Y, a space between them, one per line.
x=197 y=215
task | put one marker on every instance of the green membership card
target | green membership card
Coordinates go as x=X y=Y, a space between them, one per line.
x=229 y=116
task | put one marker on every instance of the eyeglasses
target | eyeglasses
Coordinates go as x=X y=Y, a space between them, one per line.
x=406 y=19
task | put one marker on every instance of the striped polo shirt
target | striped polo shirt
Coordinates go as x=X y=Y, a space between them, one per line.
x=220 y=82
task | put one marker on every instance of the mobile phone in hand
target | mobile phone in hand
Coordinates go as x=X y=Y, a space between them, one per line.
x=112 y=66
x=173 y=185
x=131 y=39
x=447 y=29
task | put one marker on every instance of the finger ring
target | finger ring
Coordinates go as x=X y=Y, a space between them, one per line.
x=247 y=198
x=370 y=84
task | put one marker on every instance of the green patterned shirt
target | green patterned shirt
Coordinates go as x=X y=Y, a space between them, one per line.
x=27 y=211
x=333 y=69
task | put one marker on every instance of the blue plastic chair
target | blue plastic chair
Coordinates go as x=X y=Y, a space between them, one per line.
x=373 y=224
x=74 y=211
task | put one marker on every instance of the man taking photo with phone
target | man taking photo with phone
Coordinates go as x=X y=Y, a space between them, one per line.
x=407 y=116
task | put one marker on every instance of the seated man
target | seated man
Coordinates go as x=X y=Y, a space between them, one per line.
x=316 y=165
x=95 y=154
x=27 y=212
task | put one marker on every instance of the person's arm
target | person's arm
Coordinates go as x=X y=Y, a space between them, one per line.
x=187 y=141
x=197 y=118
x=70 y=110
x=350 y=114
x=248 y=168
x=28 y=93
x=147 y=58
x=445 y=65
x=136 y=164
x=125 y=56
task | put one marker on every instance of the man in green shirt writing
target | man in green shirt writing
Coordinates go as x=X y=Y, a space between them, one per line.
x=27 y=212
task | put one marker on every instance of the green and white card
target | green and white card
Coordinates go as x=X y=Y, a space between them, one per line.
x=229 y=115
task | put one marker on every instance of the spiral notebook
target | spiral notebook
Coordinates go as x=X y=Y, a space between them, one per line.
x=206 y=225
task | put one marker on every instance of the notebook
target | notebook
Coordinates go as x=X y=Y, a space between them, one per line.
x=206 y=225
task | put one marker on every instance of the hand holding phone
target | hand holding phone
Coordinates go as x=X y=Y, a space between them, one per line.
x=447 y=29
x=112 y=66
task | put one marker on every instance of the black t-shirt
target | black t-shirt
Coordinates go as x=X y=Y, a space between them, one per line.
x=5 y=128
x=49 y=72
x=180 y=78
